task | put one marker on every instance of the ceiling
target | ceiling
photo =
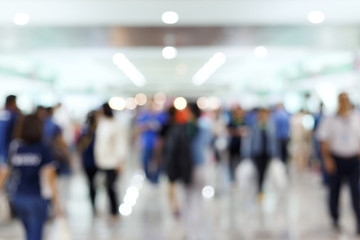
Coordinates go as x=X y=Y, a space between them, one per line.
x=68 y=46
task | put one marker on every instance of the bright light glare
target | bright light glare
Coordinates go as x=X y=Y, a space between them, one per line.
x=209 y=68
x=180 y=103
x=170 y=17
x=316 y=17
x=129 y=69
x=117 y=103
x=125 y=209
x=202 y=103
x=131 y=103
x=140 y=99
x=21 y=19
x=131 y=196
x=208 y=192
x=308 y=122
x=261 y=52
x=160 y=98
x=214 y=103
x=169 y=52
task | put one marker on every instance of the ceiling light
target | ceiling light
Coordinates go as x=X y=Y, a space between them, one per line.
x=131 y=103
x=170 y=17
x=316 y=17
x=261 y=52
x=202 y=103
x=21 y=19
x=180 y=103
x=209 y=68
x=129 y=69
x=117 y=103
x=140 y=99
x=169 y=52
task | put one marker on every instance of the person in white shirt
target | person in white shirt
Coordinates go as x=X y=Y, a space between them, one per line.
x=110 y=151
x=339 y=137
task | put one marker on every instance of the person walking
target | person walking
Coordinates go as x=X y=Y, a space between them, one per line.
x=29 y=163
x=110 y=151
x=339 y=138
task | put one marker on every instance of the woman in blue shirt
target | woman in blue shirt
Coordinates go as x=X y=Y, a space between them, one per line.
x=30 y=161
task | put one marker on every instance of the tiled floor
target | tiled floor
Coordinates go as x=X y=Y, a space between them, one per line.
x=296 y=211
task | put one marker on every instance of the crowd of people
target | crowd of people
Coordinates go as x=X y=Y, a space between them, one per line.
x=174 y=143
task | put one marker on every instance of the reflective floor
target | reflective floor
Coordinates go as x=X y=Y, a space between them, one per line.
x=295 y=211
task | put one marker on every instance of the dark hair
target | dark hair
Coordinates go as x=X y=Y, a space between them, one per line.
x=195 y=110
x=107 y=110
x=10 y=100
x=90 y=118
x=31 y=129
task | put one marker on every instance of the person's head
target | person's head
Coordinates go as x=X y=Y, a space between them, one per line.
x=107 y=111
x=41 y=112
x=344 y=102
x=50 y=111
x=195 y=110
x=91 y=118
x=263 y=114
x=238 y=113
x=31 y=129
x=10 y=102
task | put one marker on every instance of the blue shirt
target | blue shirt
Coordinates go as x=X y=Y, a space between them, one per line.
x=282 y=123
x=88 y=155
x=254 y=142
x=151 y=123
x=201 y=141
x=51 y=130
x=26 y=161
x=7 y=124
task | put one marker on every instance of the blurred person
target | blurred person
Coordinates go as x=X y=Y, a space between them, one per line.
x=220 y=147
x=199 y=132
x=62 y=118
x=282 y=125
x=318 y=117
x=52 y=136
x=31 y=162
x=10 y=116
x=236 y=130
x=261 y=145
x=85 y=148
x=149 y=122
x=300 y=141
x=339 y=137
x=110 y=148
x=175 y=165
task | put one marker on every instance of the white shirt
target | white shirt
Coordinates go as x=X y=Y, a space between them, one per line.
x=342 y=134
x=110 y=144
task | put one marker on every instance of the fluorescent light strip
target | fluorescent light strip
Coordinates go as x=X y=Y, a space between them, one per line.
x=129 y=69
x=209 y=68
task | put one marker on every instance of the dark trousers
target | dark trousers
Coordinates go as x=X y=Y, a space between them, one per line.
x=90 y=174
x=32 y=212
x=152 y=170
x=346 y=169
x=234 y=161
x=261 y=163
x=283 y=145
x=111 y=177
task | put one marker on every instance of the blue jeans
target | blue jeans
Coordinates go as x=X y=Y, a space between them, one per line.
x=152 y=170
x=32 y=211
